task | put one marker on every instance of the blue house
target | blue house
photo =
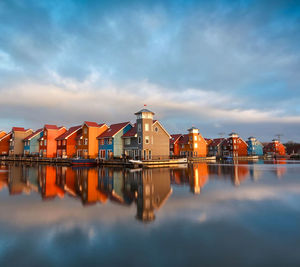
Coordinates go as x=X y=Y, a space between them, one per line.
x=255 y=148
x=111 y=142
x=31 y=143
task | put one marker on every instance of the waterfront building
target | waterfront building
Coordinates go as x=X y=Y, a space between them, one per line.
x=111 y=143
x=234 y=146
x=47 y=143
x=215 y=147
x=192 y=144
x=31 y=142
x=174 y=144
x=4 y=144
x=275 y=148
x=87 y=143
x=18 y=134
x=148 y=139
x=66 y=142
x=255 y=148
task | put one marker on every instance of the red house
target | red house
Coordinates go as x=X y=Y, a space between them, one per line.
x=275 y=148
x=174 y=144
x=234 y=146
x=66 y=143
x=5 y=144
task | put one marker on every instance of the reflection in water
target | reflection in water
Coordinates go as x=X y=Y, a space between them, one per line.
x=148 y=189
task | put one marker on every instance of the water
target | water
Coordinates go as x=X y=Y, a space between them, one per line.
x=202 y=215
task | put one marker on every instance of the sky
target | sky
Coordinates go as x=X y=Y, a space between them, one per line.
x=221 y=66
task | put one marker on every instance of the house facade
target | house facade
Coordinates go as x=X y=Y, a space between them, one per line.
x=174 y=144
x=215 y=147
x=275 y=148
x=47 y=143
x=4 y=143
x=66 y=143
x=255 y=148
x=87 y=143
x=148 y=139
x=111 y=143
x=18 y=134
x=192 y=144
x=234 y=146
x=31 y=142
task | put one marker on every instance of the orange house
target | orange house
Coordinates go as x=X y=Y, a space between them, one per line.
x=192 y=144
x=48 y=146
x=66 y=143
x=87 y=143
x=234 y=146
x=174 y=145
x=275 y=148
x=198 y=177
x=5 y=143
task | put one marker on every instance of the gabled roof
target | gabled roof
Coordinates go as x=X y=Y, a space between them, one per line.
x=113 y=130
x=184 y=139
x=5 y=136
x=156 y=121
x=174 y=138
x=33 y=134
x=216 y=141
x=18 y=129
x=93 y=124
x=51 y=127
x=131 y=132
x=68 y=133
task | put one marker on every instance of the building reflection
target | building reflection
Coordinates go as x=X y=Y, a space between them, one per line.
x=198 y=175
x=3 y=176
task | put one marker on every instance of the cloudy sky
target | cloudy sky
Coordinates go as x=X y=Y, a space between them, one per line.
x=219 y=65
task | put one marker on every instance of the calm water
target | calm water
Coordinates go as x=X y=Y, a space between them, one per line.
x=202 y=215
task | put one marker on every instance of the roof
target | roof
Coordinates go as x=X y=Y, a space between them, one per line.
x=216 y=141
x=69 y=132
x=156 y=121
x=18 y=129
x=93 y=124
x=51 y=127
x=33 y=134
x=174 y=138
x=113 y=130
x=5 y=136
x=144 y=110
x=131 y=132
x=184 y=139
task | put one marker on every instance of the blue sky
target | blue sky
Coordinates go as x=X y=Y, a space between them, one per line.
x=219 y=65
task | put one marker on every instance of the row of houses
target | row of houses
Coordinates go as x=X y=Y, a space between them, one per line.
x=145 y=139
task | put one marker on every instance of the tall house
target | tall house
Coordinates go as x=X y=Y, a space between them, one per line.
x=4 y=143
x=87 y=143
x=275 y=148
x=16 y=146
x=150 y=140
x=255 y=148
x=47 y=146
x=234 y=146
x=31 y=143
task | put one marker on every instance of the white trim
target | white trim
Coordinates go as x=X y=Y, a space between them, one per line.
x=5 y=136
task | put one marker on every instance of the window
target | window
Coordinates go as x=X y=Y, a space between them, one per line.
x=195 y=138
x=147 y=141
x=139 y=127
x=41 y=143
x=127 y=141
x=191 y=138
x=150 y=154
x=85 y=130
x=234 y=141
x=45 y=142
x=64 y=142
x=79 y=143
x=45 y=133
x=156 y=129
x=85 y=141
x=196 y=145
x=101 y=142
x=110 y=141
x=146 y=127
x=139 y=140
x=59 y=143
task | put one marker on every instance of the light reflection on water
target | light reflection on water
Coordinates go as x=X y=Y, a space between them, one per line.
x=56 y=215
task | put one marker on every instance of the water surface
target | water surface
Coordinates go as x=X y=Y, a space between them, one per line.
x=244 y=214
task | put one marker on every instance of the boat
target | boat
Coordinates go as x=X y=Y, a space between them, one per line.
x=89 y=162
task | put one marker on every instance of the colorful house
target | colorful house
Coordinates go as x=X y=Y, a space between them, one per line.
x=255 y=148
x=66 y=143
x=31 y=142
x=192 y=144
x=4 y=144
x=110 y=142
x=16 y=146
x=215 y=147
x=174 y=144
x=148 y=139
x=87 y=143
x=47 y=143
x=2 y=133
x=275 y=148
x=234 y=146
